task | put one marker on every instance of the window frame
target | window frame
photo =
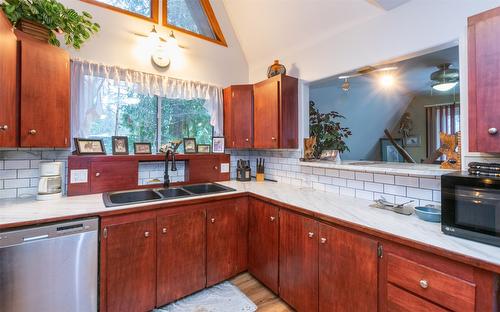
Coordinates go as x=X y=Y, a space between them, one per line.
x=212 y=20
x=154 y=10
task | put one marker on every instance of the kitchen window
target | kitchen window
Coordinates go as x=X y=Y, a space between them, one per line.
x=109 y=101
x=146 y=9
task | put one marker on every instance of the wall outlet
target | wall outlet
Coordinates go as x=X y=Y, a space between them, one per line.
x=224 y=168
x=79 y=176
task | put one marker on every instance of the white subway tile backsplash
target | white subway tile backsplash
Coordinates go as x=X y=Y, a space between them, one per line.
x=319 y=171
x=364 y=176
x=383 y=178
x=419 y=193
x=339 y=181
x=325 y=179
x=364 y=194
x=332 y=172
x=374 y=187
x=355 y=184
x=27 y=173
x=8 y=174
x=395 y=190
x=332 y=188
x=16 y=183
x=9 y=193
x=344 y=191
x=406 y=181
x=436 y=196
x=318 y=186
x=347 y=174
x=16 y=164
x=432 y=184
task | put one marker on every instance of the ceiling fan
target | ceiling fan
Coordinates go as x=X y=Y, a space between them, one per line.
x=363 y=71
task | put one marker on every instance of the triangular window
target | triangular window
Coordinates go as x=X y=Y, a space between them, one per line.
x=194 y=17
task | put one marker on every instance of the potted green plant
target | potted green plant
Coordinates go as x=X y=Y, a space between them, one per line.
x=330 y=135
x=46 y=18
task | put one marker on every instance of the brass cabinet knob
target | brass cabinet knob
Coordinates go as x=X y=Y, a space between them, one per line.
x=492 y=131
x=97 y=174
x=247 y=140
x=146 y=234
x=32 y=132
x=310 y=234
x=323 y=240
x=424 y=284
x=272 y=218
x=4 y=128
x=164 y=230
x=273 y=138
x=212 y=220
x=216 y=168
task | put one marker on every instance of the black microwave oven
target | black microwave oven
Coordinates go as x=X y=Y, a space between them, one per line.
x=471 y=207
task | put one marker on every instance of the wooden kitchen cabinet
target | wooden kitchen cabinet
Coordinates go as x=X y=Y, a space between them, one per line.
x=44 y=94
x=113 y=175
x=238 y=116
x=128 y=263
x=8 y=83
x=227 y=235
x=275 y=114
x=181 y=251
x=263 y=242
x=483 y=83
x=298 y=262
x=348 y=263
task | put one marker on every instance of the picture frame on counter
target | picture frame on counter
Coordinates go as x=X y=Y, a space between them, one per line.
x=218 y=145
x=89 y=146
x=119 y=144
x=203 y=148
x=189 y=145
x=142 y=148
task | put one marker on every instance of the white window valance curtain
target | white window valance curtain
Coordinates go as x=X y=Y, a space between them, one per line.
x=87 y=79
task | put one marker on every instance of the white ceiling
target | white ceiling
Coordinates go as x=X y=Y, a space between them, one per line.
x=270 y=28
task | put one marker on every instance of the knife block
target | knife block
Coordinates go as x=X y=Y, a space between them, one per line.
x=243 y=174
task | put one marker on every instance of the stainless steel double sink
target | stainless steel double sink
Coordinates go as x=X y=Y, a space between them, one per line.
x=120 y=198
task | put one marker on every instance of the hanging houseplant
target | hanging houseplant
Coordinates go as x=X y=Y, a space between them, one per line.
x=327 y=130
x=44 y=19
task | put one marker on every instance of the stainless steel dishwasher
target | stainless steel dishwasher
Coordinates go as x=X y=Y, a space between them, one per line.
x=49 y=268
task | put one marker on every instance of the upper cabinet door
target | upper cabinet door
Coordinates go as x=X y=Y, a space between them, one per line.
x=266 y=114
x=349 y=271
x=44 y=95
x=484 y=81
x=8 y=82
x=238 y=112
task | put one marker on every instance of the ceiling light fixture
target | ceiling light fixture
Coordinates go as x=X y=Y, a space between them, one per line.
x=387 y=80
x=445 y=78
x=346 y=85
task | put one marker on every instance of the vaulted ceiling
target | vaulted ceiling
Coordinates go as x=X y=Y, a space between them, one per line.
x=268 y=28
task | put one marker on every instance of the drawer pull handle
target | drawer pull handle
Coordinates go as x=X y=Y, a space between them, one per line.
x=323 y=240
x=146 y=234
x=310 y=234
x=424 y=284
x=272 y=219
x=492 y=131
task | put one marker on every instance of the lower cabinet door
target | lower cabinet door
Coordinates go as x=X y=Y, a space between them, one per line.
x=263 y=243
x=298 y=263
x=349 y=271
x=129 y=254
x=227 y=231
x=181 y=254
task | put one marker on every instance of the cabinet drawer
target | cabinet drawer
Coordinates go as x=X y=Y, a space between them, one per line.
x=446 y=290
x=399 y=300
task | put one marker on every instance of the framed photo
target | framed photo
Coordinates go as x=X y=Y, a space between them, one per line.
x=189 y=145
x=119 y=145
x=218 y=145
x=142 y=148
x=413 y=140
x=388 y=152
x=89 y=147
x=204 y=148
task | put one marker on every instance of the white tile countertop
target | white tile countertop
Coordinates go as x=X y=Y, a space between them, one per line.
x=347 y=209
x=380 y=167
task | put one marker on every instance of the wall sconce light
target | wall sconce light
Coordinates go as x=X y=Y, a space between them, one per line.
x=161 y=48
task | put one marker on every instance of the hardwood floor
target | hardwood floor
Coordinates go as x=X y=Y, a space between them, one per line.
x=265 y=300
